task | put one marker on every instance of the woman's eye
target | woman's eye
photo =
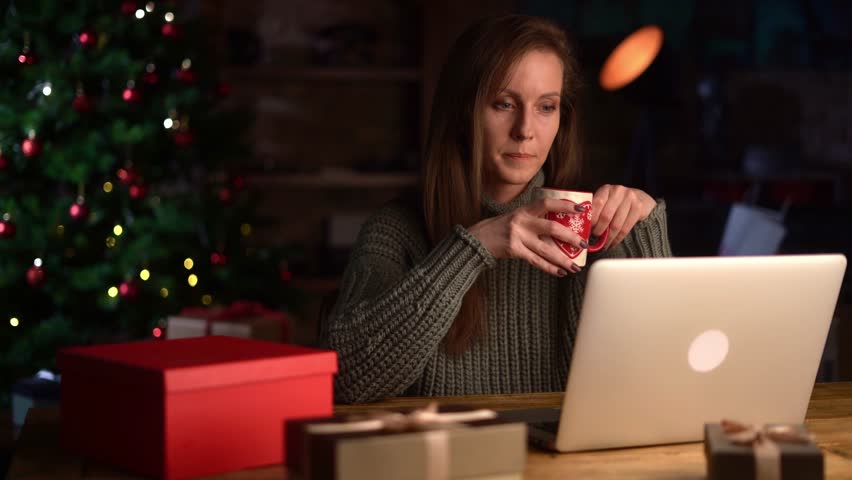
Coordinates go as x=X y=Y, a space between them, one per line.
x=503 y=105
x=548 y=108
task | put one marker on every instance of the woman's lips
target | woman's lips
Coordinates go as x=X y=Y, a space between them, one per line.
x=520 y=156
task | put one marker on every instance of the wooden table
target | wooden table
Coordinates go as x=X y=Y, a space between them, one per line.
x=829 y=417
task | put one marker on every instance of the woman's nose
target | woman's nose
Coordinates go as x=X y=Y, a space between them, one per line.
x=522 y=128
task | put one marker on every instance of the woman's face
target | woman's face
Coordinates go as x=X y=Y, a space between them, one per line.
x=520 y=124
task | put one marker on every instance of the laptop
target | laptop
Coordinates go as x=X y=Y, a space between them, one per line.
x=666 y=345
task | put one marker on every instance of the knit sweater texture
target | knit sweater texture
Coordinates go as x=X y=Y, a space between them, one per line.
x=399 y=296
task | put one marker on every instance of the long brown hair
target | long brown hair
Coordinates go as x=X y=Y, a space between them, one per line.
x=452 y=169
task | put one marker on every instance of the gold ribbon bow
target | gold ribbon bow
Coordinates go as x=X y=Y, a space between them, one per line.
x=765 y=440
x=429 y=419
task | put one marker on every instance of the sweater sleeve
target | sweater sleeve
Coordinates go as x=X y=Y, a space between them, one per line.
x=392 y=312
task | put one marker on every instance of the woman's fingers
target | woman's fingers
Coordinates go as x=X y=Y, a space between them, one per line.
x=542 y=206
x=547 y=258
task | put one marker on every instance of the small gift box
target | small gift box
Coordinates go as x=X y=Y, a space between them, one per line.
x=427 y=444
x=773 y=452
x=241 y=319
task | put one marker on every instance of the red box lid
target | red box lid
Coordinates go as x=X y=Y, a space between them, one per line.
x=196 y=363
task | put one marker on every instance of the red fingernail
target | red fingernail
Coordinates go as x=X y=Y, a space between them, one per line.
x=562 y=273
x=579 y=208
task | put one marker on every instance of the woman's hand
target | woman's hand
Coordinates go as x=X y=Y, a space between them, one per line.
x=517 y=234
x=619 y=208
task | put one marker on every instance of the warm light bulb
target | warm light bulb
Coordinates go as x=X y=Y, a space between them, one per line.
x=167 y=123
x=112 y=292
x=107 y=187
x=169 y=16
x=188 y=263
x=164 y=292
x=14 y=322
x=37 y=262
x=110 y=242
x=47 y=90
x=140 y=13
x=60 y=230
x=149 y=7
x=192 y=280
x=117 y=230
x=145 y=274
x=206 y=299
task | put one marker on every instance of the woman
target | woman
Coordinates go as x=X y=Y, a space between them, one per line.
x=458 y=293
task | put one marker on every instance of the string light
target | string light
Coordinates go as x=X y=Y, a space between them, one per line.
x=117 y=230
x=37 y=262
x=60 y=230
x=140 y=14
x=192 y=280
x=112 y=292
x=206 y=299
x=245 y=229
x=164 y=292
x=169 y=16
x=110 y=242
x=157 y=332
x=188 y=263
x=107 y=187
x=47 y=89
x=145 y=275
x=149 y=7
x=14 y=322
x=168 y=123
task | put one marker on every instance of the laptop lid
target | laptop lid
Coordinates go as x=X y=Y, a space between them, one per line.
x=665 y=345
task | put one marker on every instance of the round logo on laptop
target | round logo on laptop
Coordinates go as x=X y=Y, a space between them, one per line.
x=708 y=350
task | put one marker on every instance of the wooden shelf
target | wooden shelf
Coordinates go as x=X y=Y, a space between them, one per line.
x=335 y=179
x=262 y=73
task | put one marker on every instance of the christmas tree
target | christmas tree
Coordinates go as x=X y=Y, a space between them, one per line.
x=120 y=197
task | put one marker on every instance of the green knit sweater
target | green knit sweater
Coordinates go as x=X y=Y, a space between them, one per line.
x=399 y=296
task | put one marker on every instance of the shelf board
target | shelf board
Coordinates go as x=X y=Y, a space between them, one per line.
x=279 y=72
x=335 y=179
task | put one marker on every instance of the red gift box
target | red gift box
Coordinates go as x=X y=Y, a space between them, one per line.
x=243 y=319
x=184 y=408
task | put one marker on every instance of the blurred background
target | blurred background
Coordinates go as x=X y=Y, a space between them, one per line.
x=747 y=104
x=741 y=123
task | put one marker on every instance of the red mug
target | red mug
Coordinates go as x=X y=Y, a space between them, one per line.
x=580 y=222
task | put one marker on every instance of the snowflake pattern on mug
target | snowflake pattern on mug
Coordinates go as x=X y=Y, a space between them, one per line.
x=578 y=223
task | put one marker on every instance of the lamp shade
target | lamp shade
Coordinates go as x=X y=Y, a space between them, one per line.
x=631 y=57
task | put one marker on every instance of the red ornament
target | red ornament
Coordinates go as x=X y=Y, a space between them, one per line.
x=238 y=182
x=186 y=75
x=88 y=39
x=127 y=175
x=78 y=211
x=128 y=7
x=7 y=229
x=150 y=78
x=218 y=259
x=170 y=30
x=223 y=89
x=131 y=94
x=225 y=195
x=4 y=162
x=26 y=58
x=35 y=276
x=184 y=138
x=128 y=290
x=81 y=103
x=137 y=191
x=31 y=147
